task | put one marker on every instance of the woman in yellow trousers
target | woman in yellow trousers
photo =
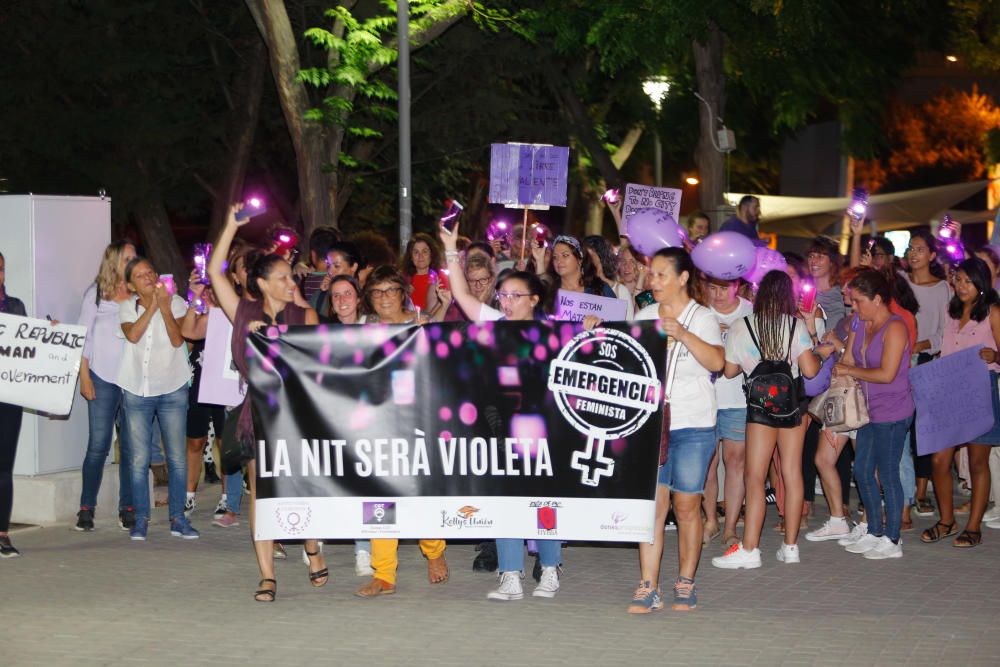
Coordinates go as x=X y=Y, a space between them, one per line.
x=385 y=560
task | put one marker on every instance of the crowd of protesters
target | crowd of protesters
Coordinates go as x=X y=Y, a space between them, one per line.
x=875 y=316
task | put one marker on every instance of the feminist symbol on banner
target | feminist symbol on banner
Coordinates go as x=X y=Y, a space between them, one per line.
x=606 y=386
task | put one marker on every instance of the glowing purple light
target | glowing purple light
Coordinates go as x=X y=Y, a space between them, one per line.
x=284 y=238
x=610 y=196
x=254 y=201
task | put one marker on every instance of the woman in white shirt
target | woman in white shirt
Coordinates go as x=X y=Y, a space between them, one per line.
x=520 y=296
x=154 y=375
x=693 y=334
x=776 y=335
x=102 y=355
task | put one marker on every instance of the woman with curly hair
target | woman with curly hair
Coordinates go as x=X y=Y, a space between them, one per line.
x=422 y=265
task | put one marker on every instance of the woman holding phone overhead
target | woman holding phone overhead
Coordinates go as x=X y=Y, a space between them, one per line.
x=272 y=288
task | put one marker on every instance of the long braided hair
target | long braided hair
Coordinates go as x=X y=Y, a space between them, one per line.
x=775 y=299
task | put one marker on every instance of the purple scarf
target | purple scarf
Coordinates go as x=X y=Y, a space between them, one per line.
x=246 y=312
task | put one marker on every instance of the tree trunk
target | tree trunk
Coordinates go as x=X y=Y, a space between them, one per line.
x=711 y=81
x=247 y=112
x=158 y=240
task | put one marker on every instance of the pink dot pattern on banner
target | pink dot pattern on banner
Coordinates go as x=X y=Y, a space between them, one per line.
x=408 y=357
x=362 y=416
x=266 y=364
x=636 y=331
x=273 y=350
x=554 y=343
x=455 y=339
x=619 y=446
x=445 y=435
x=445 y=413
x=359 y=356
x=541 y=353
x=423 y=345
x=467 y=413
x=389 y=348
x=441 y=350
x=533 y=335
x=272 y=332
x=324 y=354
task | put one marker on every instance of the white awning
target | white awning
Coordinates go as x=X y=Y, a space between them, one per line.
x=807 y=217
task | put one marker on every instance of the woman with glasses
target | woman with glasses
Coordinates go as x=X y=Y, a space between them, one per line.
x=386 y=303
x=520 y=295
x=927 y=280
x=480 y=279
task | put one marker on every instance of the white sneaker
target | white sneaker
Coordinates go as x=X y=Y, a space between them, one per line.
x=995 y=524
x=866 y=543
x=510 y=587
x=859 y=531
x=363 y=564
x=221 y=508
x=548 y=585
x=993 y=514
x=788 y=553
x=305 y=558
x=737 y=557
x=885 y=549
x=835 y=528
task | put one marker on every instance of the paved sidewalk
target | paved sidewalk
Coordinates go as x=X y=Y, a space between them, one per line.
x=99 y=599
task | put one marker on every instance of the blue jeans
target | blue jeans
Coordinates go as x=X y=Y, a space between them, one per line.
x=362 y=545
x=908 y=474
x=103 y=412
x=879 y=449
x=510 y=553
x=233 y=486
x=171 y=411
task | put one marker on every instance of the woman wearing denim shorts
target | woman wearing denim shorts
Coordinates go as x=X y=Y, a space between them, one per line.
x=693 y=335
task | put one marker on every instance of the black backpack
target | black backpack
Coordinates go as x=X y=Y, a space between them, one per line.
x=773 y=393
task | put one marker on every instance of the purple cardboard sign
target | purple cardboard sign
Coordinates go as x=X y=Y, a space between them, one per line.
x=531 y=175
x=220 y=381
x=574 y=306
x=638 y=197
x=954 y=400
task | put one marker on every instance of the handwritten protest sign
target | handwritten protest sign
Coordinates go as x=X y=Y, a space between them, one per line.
x=638 y=197
x=574 y=306
x=220 y=382
x=528 y=175
x=954 y=400
x=39 y=363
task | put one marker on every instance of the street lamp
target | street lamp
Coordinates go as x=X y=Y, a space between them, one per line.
x=656 y=88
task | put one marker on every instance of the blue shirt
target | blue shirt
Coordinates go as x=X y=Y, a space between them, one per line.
x=734 y=224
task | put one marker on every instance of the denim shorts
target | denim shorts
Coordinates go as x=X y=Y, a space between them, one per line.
x=688 y=456
x=731 y=424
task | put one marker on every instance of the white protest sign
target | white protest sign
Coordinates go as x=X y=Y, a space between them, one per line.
x=39 y=363
x=638 y=197
x=574 y=306
x=220 y=382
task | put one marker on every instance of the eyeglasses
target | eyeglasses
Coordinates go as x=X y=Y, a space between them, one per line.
x=388 y=291
x=479 y=282
x=511 y=296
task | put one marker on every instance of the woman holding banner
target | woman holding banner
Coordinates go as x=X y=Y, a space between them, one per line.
x=570 y=270
x=973 y=320
x=695 y=351
x=102 y=355
x=520 y=296
x=10 y=431
x=272 y=288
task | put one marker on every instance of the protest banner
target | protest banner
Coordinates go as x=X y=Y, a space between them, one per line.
x=574 y=306
x=458 y=430
x=528 y=175
x=638 y=197
x=954 y=400
x=39 y=363
x=220 y=381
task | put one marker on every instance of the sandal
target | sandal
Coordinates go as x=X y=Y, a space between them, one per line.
x=375 y=588
x=323 y=574
x=938 y=532
x=968 y=539
x=437 y=570
x=266 y=594
x=710 y=535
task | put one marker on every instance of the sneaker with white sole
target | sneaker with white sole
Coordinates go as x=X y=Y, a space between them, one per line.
x=995 y=525
x=866 y=543
x=885 y=548
x=859 y=531
x=363 y=564
x=835 y=528
x=510 y=587
x=548 y=585
x=993 y=514
x=221 y=508
x=788 y=553
x=738 y=558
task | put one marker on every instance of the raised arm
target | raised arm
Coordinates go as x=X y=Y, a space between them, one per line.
x=225 y=295
x=459 y=287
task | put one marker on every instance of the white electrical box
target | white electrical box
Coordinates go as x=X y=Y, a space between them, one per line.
x=727 y=140
x=53 y=247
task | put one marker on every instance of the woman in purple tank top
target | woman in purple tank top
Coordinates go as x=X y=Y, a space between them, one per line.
x=876 y=355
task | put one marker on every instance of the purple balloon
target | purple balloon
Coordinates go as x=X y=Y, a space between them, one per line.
x=767 y=260
x=725 y=255
x=651 y=229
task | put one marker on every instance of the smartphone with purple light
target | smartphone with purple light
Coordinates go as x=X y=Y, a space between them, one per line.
x=807 y=299
x=168 y=282
x=253 y=206
x=452 y=214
